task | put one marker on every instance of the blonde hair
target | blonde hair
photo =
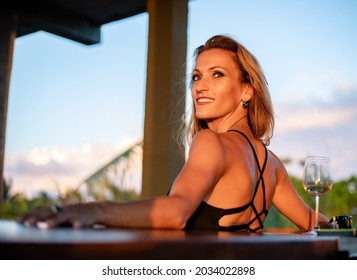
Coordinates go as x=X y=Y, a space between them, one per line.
x=260 y=110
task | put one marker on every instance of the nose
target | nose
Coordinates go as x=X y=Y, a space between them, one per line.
x=201 y=85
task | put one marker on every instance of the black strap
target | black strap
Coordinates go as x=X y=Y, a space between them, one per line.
x=260 y=180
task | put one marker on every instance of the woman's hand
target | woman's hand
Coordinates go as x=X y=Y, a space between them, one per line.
x=76 y=216
x=36 y=216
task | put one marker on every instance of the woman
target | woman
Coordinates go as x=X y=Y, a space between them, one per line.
x=230 y=179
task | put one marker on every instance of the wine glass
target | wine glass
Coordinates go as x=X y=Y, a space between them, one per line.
x=317 y=180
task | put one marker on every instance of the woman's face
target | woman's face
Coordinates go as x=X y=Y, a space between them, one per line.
x=216 y=87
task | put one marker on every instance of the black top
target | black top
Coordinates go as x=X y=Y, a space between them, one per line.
x=206 y=217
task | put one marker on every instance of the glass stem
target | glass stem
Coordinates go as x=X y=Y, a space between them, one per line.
x=317 y=212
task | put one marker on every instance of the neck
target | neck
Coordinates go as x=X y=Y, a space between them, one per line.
x=226 y=125
x=241 y=123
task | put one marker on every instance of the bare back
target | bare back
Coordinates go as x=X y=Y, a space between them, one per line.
x=247 y=160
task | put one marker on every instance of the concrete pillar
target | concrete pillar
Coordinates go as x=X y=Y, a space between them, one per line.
x=163 y=157
x=7 y=38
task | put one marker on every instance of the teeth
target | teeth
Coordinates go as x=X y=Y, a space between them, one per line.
x=206 y=100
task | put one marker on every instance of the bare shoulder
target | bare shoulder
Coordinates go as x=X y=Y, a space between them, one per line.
x=280 y=171
x=207 y=137
x=208 y=142
x=275 y=160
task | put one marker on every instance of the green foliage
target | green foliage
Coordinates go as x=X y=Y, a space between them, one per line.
x=15 y=205
x=277 y=220
x=114 y=180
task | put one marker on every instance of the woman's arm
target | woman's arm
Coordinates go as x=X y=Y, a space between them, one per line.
x=289 y=203
x=204 y=167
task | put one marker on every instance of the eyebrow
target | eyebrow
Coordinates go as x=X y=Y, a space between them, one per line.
x=213 y=67
x=210 y=68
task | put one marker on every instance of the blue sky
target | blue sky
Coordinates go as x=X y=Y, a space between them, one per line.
x=72 y=107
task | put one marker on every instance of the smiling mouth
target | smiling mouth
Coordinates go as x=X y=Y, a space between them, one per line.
x=204 y=100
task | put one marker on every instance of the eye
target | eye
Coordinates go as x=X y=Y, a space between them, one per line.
x=195 y=77
x=217 y=74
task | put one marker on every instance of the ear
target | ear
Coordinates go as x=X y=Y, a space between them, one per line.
x=248 y=92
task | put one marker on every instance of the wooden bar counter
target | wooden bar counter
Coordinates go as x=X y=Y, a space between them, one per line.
x=18 y=242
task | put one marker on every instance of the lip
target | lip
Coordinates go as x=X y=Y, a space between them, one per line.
x=204 y=100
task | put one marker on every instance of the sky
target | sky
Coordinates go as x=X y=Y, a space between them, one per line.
x=74 y=107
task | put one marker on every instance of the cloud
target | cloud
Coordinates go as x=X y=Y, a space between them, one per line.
x=292 y=117
x=55 y=169
x=339 y=108
x=345 y=95
x=325 y=127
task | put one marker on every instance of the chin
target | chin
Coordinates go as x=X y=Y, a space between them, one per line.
x=203 y=116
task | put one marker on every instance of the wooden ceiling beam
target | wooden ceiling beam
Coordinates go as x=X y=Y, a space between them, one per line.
x=57 y=21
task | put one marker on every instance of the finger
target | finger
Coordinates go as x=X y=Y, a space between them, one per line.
x=24 y=218
x=65 y=217
x=77 y=224
x=38 y=214
x=27 y=220
x=57 y=220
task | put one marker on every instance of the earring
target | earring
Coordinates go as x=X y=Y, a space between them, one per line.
x=245 y=104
